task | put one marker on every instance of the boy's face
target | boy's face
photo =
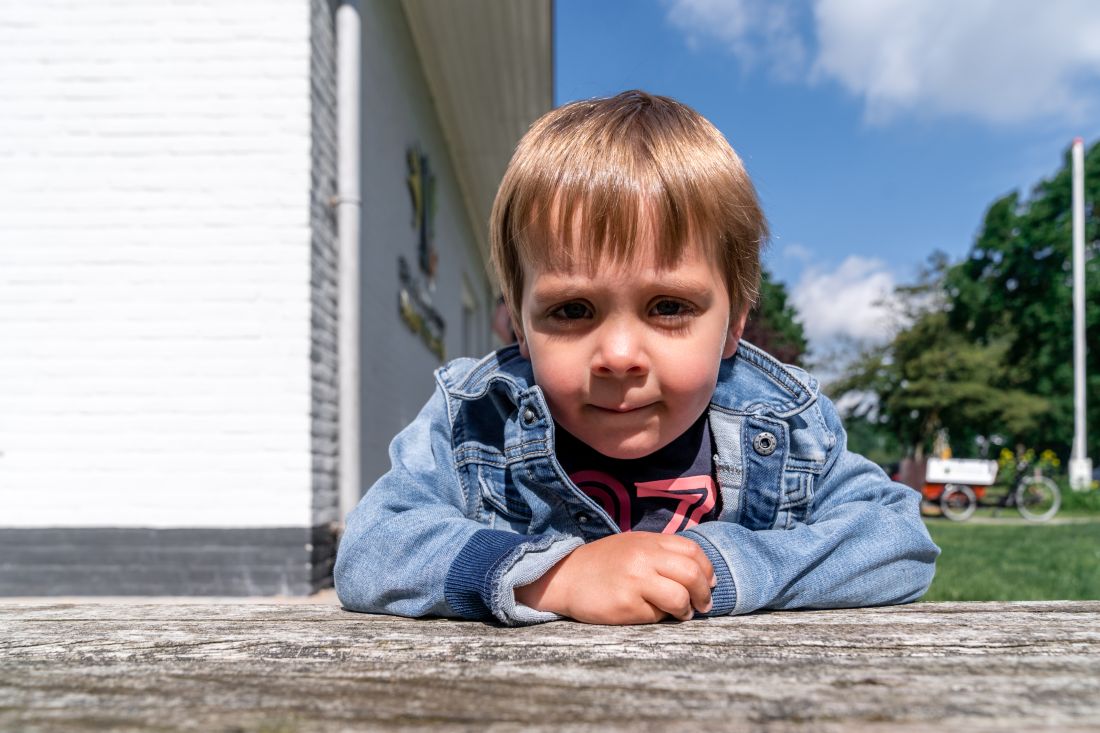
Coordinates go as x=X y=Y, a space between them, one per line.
x=628 y=355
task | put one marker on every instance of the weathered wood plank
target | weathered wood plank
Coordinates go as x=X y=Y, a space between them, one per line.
x=973 y=666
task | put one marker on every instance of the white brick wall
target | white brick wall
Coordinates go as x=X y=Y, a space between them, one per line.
x=155 y=264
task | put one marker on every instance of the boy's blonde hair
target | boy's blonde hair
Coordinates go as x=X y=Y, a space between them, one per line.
x=611 y=167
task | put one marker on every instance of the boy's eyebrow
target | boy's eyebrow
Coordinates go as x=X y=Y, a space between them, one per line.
x=564 y=287
x=677 y=283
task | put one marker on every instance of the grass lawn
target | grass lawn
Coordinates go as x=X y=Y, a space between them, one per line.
x=1016 y=561
x=1079 y=503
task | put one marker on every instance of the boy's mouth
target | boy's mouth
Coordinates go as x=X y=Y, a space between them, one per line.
x=621 y=409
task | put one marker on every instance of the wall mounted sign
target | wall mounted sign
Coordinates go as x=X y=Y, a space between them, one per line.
x=415 y=306
x=414 y=300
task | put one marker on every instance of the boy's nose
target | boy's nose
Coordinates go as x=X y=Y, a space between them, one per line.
x=620 y=353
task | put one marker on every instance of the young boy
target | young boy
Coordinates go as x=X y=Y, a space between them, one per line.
x=630 y=460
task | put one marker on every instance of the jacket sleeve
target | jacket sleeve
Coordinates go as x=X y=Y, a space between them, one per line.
x=409 y=548
x=863 y=544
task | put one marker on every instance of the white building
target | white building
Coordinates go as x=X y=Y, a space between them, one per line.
x=170 y=272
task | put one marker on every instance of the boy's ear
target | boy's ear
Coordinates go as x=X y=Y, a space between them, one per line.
x=733 y=337
x=517 y=329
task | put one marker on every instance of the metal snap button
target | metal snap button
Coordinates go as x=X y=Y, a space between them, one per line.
x=529 y=417
x=582 y=518
x=764 y=443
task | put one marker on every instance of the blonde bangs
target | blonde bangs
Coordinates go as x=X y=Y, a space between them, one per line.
x=590 y=179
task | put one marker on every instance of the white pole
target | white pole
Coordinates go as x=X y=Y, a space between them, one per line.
x=1080 y=466
x=347 y=221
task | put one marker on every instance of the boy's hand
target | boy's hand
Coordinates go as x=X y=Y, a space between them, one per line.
x=629 y=578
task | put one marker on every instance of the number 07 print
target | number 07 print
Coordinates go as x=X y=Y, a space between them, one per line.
x=695 y=496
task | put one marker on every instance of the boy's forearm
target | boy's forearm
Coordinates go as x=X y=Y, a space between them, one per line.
x=857 y=554
x=862 y=542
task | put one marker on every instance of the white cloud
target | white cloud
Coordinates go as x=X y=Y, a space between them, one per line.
x=1000 y=61
x=850 y=304
x=997 y=60
x=758 y=33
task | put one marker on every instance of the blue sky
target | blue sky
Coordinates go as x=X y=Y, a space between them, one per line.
x=876 y=132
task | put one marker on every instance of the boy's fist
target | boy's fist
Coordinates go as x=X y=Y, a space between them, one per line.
x=629 y=578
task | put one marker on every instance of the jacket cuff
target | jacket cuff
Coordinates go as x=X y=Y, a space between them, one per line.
x=472 y=586
x=724 y=595
x=534 y=564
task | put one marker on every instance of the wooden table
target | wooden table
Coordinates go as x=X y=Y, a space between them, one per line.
x=230 y=666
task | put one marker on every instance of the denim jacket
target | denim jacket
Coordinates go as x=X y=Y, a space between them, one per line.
x=476 y=504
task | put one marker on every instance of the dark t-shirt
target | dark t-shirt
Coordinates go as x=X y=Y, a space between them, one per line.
x=668 y=491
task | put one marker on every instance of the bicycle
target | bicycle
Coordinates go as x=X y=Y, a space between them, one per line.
x=1036 y=497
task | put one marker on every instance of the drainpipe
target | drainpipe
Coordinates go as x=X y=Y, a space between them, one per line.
x=348 y=207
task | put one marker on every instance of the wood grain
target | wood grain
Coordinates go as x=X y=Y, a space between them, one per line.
x=246 y=667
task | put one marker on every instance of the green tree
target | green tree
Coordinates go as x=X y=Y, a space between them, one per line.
x=1013 y=292
x=929 y=377
x=773 y=323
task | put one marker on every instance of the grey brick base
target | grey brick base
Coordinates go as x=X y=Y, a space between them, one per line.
x=185 y=562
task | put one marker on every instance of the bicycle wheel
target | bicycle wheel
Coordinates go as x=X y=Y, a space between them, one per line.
x=1038 y=498
x=958 y=502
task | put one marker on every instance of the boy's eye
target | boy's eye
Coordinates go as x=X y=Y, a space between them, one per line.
x=572 y=311
x=670 y=308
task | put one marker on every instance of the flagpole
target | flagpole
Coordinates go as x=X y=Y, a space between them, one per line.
x=1080 y=466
